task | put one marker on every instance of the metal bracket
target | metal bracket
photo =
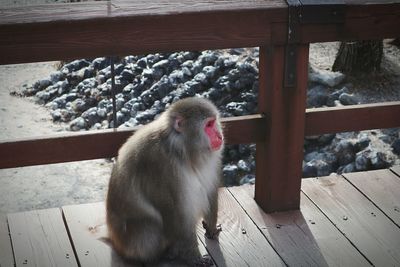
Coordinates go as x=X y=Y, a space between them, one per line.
x=307 y=12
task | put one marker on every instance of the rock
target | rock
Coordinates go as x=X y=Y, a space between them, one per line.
x=56 y=115
x=230 y=172
x=78 y=124
x=309 y=170
x=349 y=168
x=347 y=99
x=325 y=77
x=76 y=65
x=345 y=152
x=243 y=166
x=378 y=160
x=396 y=147
x=317 y=96
x=362 y=162
x=247 y=179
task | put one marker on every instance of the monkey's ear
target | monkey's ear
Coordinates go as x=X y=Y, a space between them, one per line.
x=178 y=124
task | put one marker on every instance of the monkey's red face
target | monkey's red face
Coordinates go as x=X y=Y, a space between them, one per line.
x=213 y=132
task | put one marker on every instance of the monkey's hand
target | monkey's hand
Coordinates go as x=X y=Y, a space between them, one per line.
x=212 y=233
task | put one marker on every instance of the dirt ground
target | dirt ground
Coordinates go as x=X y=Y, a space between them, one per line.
x=82 y=182
x=47 y=185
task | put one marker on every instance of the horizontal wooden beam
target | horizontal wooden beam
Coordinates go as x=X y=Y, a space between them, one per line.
x=363 y=20
x=105 y=143
x=91 y=29
x=352 y=118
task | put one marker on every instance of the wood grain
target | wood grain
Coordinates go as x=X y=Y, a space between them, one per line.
x=368 y=228
x=352 y=118
x=39 y=238
x=277 y=186
x=303 y=237
x=240 y=243
x=85 y=145
x=382 y=187
x=133 y=27
x=6 y=253
x=88 y=230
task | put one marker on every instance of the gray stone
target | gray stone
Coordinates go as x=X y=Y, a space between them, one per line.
x=347 y=99
x=325 y=77
x=396 y=147
x=362 y=162
x=243 y=166
x=78 y=124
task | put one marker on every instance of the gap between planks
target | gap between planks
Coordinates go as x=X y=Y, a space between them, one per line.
x=356 y=217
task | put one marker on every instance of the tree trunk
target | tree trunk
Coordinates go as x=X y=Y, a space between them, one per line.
x=360 y=56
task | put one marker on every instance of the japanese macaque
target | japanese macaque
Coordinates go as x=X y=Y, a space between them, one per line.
x=164 y=181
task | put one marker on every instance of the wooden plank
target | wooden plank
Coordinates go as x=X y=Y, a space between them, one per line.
x=352 y=118
x=30 y=34
x=240 y=243
x=382 y=187
x=6 y=253
x=85 y=145
x=363 y=20
x=277 y=186
x=396 y=169
x=88 y=230
x=39 y=238
x=302 y=237
x=374 y=235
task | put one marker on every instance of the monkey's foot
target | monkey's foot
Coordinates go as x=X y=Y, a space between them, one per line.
x=204 y=261
x=212 y=233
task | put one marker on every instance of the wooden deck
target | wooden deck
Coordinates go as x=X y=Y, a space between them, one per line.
x=349 y=220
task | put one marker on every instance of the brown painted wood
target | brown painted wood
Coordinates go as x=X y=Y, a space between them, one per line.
x=6 y=253
x=240 y=243
x=85 y=30
x=303 y=237
x=88 y=230
x=363 y=20
x=277 y=185
x=105 y=143
x=39 y=238
x=382 y=187
x=352 y=118
x=368 y=228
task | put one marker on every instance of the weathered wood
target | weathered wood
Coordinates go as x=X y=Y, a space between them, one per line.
x=364 y=20
x=277 y=185
x=86 y=145
x=396 y=169
x=303 y=237
x=240 y=243
x=382 y=187
x=88 y=230
x=352 y=118
x=85 y=30
x=6 y=253
x=368 y=228
x=39 y=238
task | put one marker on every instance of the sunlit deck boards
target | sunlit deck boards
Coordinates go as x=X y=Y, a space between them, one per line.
x=350 y=220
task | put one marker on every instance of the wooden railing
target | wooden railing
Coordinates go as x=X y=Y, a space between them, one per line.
x=121 y=27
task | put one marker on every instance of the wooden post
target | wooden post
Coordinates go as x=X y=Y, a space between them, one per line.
x=279 y=158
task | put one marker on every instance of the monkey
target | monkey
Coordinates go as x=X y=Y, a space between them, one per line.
x=164 y=180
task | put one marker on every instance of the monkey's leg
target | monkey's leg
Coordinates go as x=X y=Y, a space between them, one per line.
x=210 y=219
x=141 y=240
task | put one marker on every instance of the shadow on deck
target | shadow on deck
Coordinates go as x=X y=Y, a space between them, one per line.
x=349 y=220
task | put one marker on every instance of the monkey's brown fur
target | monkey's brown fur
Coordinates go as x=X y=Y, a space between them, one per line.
x=163 y=182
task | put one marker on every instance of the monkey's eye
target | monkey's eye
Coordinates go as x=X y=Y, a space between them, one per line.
x=210 y=123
